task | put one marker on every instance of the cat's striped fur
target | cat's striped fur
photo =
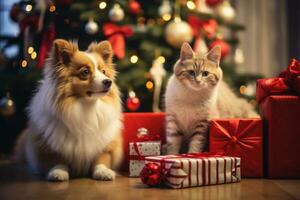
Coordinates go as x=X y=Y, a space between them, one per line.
x=196 y=93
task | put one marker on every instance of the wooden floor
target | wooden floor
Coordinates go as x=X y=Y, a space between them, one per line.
x=17 y=183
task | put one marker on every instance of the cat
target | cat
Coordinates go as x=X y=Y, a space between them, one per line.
x=195 y=93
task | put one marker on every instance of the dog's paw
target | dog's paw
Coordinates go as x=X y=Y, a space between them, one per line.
x=101 y=172
x=58 y=173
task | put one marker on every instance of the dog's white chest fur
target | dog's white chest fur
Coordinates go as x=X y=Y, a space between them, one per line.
x=81 y=133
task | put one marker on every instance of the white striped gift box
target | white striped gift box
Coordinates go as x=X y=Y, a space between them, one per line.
x=188 y=170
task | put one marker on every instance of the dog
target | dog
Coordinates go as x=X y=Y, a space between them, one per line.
x=75 y=117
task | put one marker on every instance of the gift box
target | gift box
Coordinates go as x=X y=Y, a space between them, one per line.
x=241 y=138
x=137 y=153
x=153 y=122
x=279 y=105
x=189 y=170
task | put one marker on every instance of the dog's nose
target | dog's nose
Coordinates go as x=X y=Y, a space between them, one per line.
x=107 y=83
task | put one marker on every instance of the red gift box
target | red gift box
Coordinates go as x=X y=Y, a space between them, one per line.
x=282 y=131
x=239 y=138
x=280 y=108
x=153 y=122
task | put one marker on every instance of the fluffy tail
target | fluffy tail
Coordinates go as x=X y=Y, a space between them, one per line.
x=19 y=150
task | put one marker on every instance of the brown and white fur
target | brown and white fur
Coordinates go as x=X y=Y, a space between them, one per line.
x=195 y=93
x=75 y=119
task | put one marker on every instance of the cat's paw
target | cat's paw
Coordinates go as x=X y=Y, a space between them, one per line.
x=101 y=172
x=58 y=173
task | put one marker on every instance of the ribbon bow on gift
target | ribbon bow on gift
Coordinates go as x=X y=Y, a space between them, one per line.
x=116 y=36
x=209 y=27
x=288 y=82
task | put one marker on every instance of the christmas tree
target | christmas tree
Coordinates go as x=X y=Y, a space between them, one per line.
x=145 y=35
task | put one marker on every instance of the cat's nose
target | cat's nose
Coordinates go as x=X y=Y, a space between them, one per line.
x=106 y=83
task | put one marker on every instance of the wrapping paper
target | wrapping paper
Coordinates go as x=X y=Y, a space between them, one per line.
x=242 y=138
x=279 y=105
x=189 y=170
x=154 y=122
x=137 y=153
x=281 y=115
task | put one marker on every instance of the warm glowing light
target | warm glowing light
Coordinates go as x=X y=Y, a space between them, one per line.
x=149 y=85
x=134 y=59
x=30 y=50
x=24 y=63
x=10 y=102
x=191 y=5
x=166 y=17
x=33 y=55
x=28 y=7
x=131 y=94
x=243 y=89
x=102 y=5
x=177 y=19
x=52 y=8
x=161 y=59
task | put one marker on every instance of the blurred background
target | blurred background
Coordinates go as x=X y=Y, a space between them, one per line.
x=258 y=38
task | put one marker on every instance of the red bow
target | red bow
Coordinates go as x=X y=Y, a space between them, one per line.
x=46 y=44
x=288 y=82
x=116 y=36
x=209 y=27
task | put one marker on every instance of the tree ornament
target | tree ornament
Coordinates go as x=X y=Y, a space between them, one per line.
x=202 y=7
x=178 y=32
x=151 y=174
x=213 y=3
x=91 y=27
x=132 y=102
x=165 y=8
x=157 y=72
x=7 y=106
x=239 y=56
x=225 y=11
x=225 y=48
x=116 y=13
x=134 y=7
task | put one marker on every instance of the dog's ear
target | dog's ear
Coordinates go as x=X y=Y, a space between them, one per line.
x=63 y=50
x=104 y=49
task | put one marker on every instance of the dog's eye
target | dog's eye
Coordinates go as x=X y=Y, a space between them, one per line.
x=205 y=73
x=85 y=72
x=191 y=72
x=103 y=71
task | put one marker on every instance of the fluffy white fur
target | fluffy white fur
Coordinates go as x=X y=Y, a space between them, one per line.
x=80 y=134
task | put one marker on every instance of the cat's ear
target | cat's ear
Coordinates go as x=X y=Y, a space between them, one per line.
x=63 y=50
x=214 y=54
x=186 y=51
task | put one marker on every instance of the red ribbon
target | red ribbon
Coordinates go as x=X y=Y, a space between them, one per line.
x=288 y=82
x=142 y=138
x=46 y=44
x=209 y=27
x=116 y=35
x=237 y=135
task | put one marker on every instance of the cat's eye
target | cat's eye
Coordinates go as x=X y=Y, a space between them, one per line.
x=205 y=73
x=191 y=72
